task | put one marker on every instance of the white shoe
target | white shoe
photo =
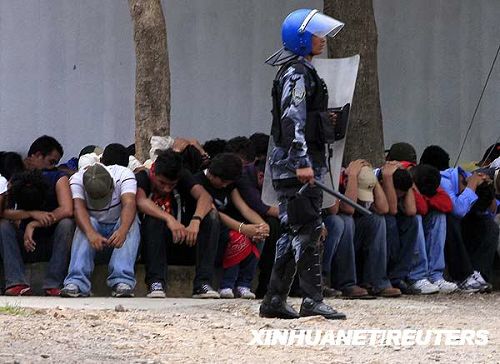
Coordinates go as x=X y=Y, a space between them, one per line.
x=156 y=290
x=485 y=286
x=423 y=286
x=244 y=292
x=226 y=293
x=205 y=291
x=445 y=286
x=470 y=285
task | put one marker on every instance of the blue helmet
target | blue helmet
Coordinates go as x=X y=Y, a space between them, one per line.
x=299 y=27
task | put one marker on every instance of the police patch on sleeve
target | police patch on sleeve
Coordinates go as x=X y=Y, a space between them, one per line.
x=299 y=92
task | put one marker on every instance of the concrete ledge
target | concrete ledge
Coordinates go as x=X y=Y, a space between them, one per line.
x=179 y=284
x=179 y=279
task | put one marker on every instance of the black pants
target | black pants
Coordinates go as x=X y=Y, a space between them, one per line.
x=470 y=245
x=156 y=236
x=267 y=256
x=298 y=247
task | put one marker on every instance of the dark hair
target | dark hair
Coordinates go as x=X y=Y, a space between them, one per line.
x=402 y=180
x=260 y=142
x=10 y=163
x=168 y=164
x=192 y=159
x=214 y=147
x=131 y=149
x=436 y=157
x=45 y=145
x=485 y=194
x=87 y=150
x=28 y=190
x=402 y=152
x=243 y=147
x=427 y=179
x=226 y=166
x=260 y=165
x=115 y=154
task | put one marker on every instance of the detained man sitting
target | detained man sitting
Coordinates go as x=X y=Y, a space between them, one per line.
x=107 y=227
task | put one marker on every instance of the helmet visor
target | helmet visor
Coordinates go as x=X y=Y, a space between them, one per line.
x=321 y=25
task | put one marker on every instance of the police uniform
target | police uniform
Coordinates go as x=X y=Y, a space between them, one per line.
x=300 y=100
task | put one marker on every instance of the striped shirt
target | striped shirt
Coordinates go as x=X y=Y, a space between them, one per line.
x=125 y=182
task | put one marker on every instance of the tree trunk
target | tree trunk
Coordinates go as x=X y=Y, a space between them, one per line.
x=365 y=138
x=152 y=78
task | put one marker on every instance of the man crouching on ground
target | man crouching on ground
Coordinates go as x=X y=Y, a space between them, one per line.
x=107 y=228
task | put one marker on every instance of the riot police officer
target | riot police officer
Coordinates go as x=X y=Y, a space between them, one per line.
x=301 y=128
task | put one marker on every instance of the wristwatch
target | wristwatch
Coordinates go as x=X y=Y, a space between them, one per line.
x=196 y=217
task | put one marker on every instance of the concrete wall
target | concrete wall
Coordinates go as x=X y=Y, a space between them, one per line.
x=434 y=57
x=67 y=69
x=220 y=84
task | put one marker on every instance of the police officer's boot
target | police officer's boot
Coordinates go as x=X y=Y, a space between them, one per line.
x=276 y=307
x=274 y=304
x=309 y=270
x=311 y=307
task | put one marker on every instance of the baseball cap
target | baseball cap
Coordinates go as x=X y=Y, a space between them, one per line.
x=98 y=185
x=492 y=153
x=366 y=184
x=495 y=164
x=402 y=152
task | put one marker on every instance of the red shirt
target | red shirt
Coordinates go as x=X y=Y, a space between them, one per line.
x=440 y=202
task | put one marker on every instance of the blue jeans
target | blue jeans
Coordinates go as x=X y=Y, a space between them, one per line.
x=402 y=234
x=121 y=263
x=344 y=259
x=335 y=227
x=241 y=274
x=428 y=260
x=370 y=243
x=53 y=245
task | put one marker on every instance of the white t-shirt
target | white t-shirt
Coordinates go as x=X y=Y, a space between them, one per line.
x=3 y=185
x=125 y=182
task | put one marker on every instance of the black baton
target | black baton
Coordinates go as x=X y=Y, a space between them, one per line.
x=340 y=196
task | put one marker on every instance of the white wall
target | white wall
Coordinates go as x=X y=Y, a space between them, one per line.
x=67 y=69
x=220 y=84
x=434 y=57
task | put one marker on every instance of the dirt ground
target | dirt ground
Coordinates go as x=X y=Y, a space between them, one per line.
x=221 y=331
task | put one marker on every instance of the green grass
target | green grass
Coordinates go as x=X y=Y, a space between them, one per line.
x=14 y=310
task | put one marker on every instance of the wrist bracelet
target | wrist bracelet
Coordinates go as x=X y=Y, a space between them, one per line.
x=196 y=217
x=239 y=227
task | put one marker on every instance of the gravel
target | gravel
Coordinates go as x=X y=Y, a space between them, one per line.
x=221 y=331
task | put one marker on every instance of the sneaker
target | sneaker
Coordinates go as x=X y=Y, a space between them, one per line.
x=423 y=286
x=244 y=292
x=19 y=290
x=403 y=286
x=156 y=290
x=226 y=293
x=122 y=290
x=72 y=290
x=470 y=285
x=485 y=286
x=445 y=286
x=205 y=291
x=53 y=292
